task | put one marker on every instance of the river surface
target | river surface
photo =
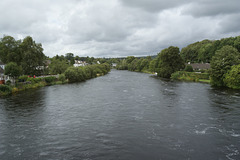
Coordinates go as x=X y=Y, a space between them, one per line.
x=121 y=116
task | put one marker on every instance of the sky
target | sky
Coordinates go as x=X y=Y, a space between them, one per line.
x=118 y=28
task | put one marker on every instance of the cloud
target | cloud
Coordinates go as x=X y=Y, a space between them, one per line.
x=117 y=28
x=154 y=5
x=203 y=8
x=230 y=24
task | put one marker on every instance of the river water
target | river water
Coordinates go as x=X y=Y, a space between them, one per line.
x=121 y=116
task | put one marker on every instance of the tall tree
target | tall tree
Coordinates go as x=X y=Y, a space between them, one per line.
x=170 y=61
x=13 y=70
x=33 y=56
x=9 y=50
x=58 y=67
x=70 y=58
x=222 y=62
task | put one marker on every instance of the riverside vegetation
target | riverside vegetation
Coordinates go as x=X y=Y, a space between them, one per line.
x=26 y=57
x=223 y=55
x=72 y=74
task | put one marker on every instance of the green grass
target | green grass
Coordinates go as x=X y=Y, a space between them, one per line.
x=204 y=80
x=191 y=76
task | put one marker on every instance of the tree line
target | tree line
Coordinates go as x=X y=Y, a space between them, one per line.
x=223 y=55
x=26 y=57
x=26 y=54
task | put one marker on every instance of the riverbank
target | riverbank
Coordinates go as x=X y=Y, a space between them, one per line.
x=31 y=83
x=185 y=76
x=72 y=74
x=191 y=76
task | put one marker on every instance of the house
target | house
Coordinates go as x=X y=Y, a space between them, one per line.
x=1 y=74
x=47 y=63
x=80 y=63
x=114 y=64
x=2 y=65
x=199 y=66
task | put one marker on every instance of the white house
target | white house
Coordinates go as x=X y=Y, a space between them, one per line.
x=114 y=64
x=79 y=63
x=2 y=65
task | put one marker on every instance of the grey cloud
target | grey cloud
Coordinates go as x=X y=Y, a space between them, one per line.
x=230 y=24
x=18 y=16
x=109 y=24
x=118 y=28
x=154 y=5
x=203 y=8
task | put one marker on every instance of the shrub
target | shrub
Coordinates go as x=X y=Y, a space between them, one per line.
x=79 y=74
x=221 y=63
x=5 y=88
x=62 y=78
x=23 y=78
x=189 y=76
x=232 y=77
x=34 y=80
x=50 y=80
x=188 y=68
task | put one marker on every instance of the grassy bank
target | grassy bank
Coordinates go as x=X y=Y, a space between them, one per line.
x=191 y=76
x=30 y=83
x=72 y=74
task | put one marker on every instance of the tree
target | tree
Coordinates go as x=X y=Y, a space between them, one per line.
x=9 y=50
x=133 y=65
x=222 y=62
x=232 y=77
x=144 y=64
x=58 y=67
x=188 y=68
x=13 y=70
x=70 y=57
x=33 y=56
x=197 y=52
x=153 y=65
x=130 y=59
x=169 y=62
x=123 y=65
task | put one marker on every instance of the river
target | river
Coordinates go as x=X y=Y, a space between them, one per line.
x=121 y=116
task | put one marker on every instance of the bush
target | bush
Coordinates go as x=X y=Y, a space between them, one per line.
x=79 y=74
x=34 y=80
x=50 y=80
x=23 y=78
x=221 y=63
x=189 y=76
x=232 y=77
x=62 y=78
x=188 y=68
x=5 y=88
x=8 y=82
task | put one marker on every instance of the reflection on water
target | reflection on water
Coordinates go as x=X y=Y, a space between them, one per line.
x=123 y=115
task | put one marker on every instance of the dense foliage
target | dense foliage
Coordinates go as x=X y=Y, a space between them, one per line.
x=27 y=57
x=188 y=68
x=189 y=76
x=79 y=74
x=203 y=51
x=27 y=54
x=132 y=63
x=169 y=62
x=58 y=66
x=13 y=70
x=232 y=77
x=222 y=62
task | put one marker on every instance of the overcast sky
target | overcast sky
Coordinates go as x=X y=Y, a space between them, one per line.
x=117 y=28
